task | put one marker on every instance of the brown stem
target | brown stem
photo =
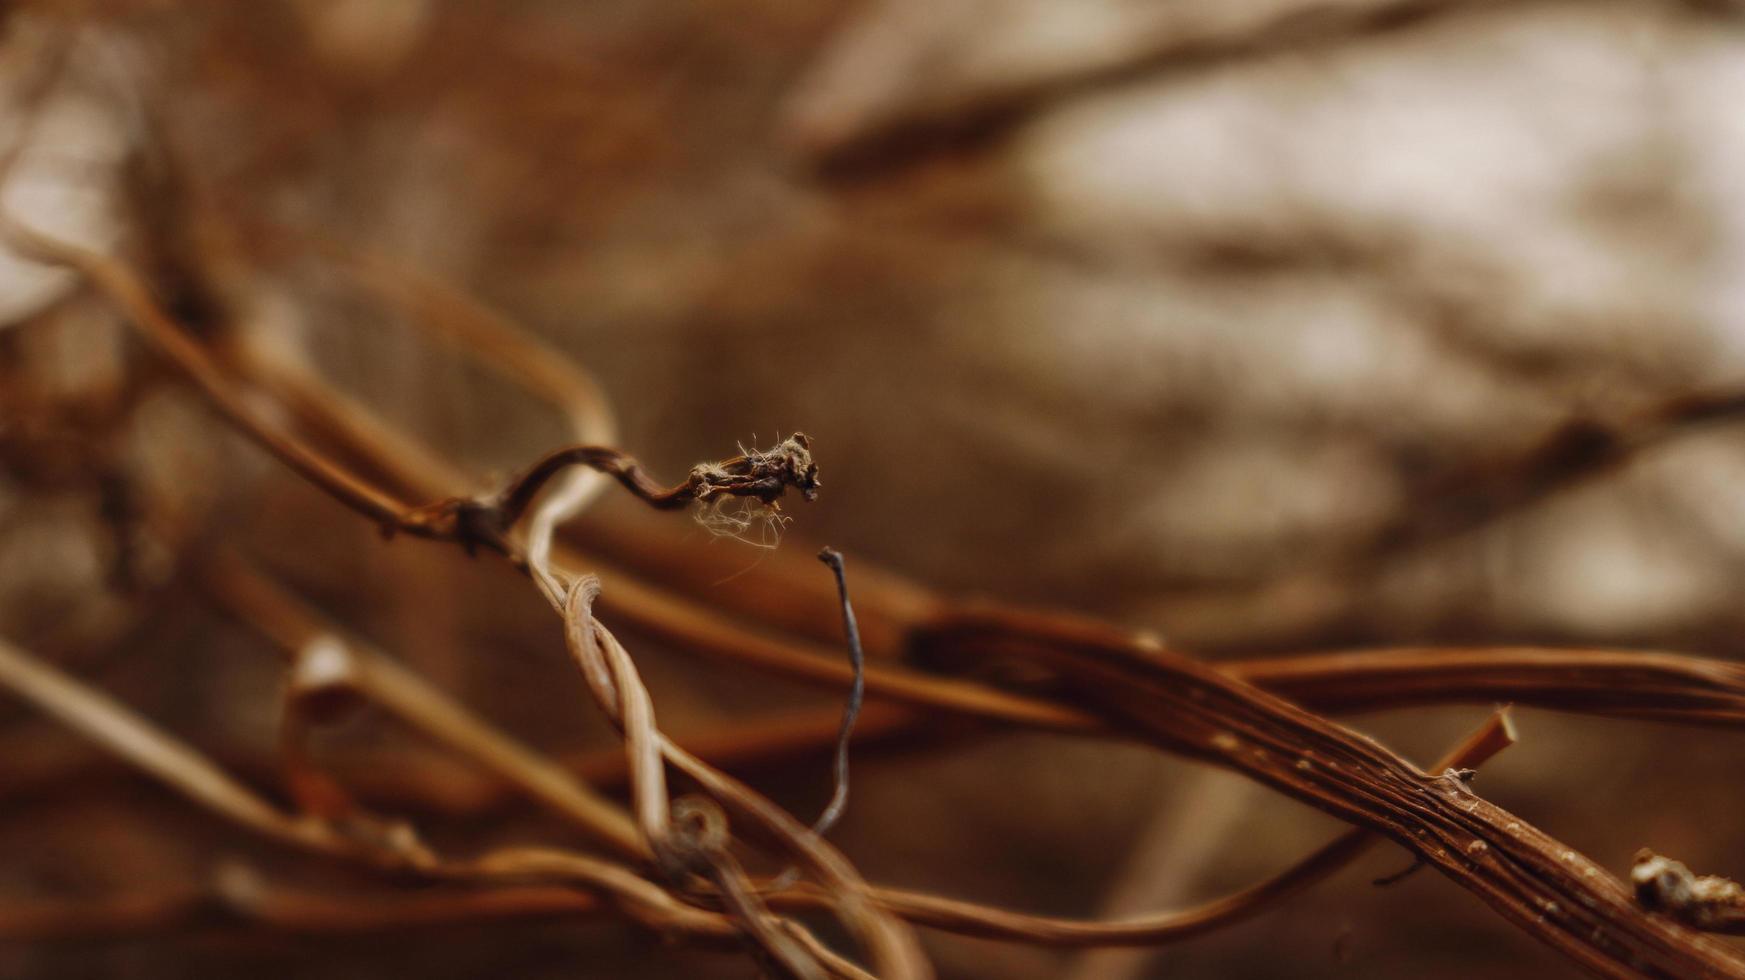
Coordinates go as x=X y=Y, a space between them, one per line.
x=1657 y=686
x=1168 y=699
x=122 y=731
x=1541 y=885
x=1620 y=683
x=378 y=678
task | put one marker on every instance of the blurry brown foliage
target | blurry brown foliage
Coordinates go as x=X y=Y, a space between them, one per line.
x=1384 y=355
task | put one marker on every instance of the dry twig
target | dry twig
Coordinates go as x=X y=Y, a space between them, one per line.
x=1108 y=680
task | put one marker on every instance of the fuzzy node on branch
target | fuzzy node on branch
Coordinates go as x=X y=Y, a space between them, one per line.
x=763 y=475
x=1707 y=902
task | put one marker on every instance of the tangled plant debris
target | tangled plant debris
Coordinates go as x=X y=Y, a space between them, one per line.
x=688 y=854
x=762 y=476
x=1131 y=686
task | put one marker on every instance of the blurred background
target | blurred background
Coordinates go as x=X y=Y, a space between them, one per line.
x=1266 y=326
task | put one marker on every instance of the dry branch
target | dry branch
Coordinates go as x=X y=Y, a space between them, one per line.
x=1496 y=734
x=618 y=690
x=1544 y=887
x=387 y=845
x=295 y=627
x=1647 y=685
x=240 y=899
x=1657 y=686
x=349 y=666
x=1143 y=691
x=260 y=903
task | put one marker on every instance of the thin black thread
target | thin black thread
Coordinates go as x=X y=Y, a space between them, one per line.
x=856 y=692
x=1399 y=876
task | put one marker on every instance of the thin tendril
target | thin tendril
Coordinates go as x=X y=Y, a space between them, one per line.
x=856 y=691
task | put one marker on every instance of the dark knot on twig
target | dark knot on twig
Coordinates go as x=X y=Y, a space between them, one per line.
x=1706 y=902
x=763 y=475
